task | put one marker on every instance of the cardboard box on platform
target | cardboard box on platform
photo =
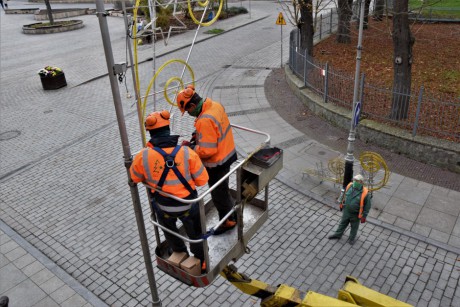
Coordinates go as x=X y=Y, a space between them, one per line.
x=176 y=258
x=192 y=266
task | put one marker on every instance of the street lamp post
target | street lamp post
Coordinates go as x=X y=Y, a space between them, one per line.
x=349 y=159
x=101 y=14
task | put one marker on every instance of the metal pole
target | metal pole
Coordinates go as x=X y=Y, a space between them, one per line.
x=419 y=105
x=320 y=26
x=349 y=159
x=326 y=82
x=361 y=89
x=100 y=12
x=305 y=68
x=138 y=102
x=136 y=86
x=249 y=9
x=153 y=16
x=281 y=46
x=330 y=23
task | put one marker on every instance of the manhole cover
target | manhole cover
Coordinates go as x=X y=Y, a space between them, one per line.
x=9 y=135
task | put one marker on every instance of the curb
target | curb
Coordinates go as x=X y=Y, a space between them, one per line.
x=89 y=296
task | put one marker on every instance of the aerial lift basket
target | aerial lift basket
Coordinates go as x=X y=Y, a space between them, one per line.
x=253 y=175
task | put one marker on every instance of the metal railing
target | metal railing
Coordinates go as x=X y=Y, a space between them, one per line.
x=414 y=109
x=201 y=197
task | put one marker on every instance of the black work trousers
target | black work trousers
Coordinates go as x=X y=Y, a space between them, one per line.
x=191 y=221
x=221 y=194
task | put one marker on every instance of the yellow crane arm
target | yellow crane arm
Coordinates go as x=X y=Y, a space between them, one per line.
x=245 y=284
x=351 y=294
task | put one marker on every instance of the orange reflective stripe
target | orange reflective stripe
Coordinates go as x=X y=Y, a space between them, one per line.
x=148 y=166
x=215 y=143
x=361 y=201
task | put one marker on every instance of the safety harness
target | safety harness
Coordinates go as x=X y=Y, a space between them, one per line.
x=361 y=202
x=171 y=165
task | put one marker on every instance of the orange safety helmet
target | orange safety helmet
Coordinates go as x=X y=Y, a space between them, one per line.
x=157 y=120
x=184 y=97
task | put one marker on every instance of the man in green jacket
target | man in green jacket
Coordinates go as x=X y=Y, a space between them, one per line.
x=355 y=207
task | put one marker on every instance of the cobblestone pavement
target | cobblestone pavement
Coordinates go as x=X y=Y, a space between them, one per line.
x=63 y=184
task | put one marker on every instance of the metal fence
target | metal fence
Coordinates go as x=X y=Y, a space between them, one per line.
x=414 y=110
x=432 y=14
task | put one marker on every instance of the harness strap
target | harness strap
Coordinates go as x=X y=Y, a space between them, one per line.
x=170 y=164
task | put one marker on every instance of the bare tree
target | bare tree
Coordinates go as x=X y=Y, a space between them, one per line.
x=318 y=7
x=403 y=40
x=379 y=7
x=306 y=26
x=301 y=15
x=48 y=10
x=345 y=13
x=367 y=3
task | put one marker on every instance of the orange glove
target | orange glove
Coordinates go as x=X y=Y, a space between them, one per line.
x=363 y=220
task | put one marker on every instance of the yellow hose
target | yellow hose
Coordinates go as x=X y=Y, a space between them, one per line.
x=203 y=4
x=136 y=64
x=372 y=162
x=204 y=24
x=181 y=83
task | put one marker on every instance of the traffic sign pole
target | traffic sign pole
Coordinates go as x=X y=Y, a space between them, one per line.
x=281 y=22
x=281 y=46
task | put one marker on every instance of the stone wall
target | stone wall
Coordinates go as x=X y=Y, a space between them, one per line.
x=428 y=150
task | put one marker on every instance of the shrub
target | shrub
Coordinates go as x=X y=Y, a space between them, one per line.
x=163 y=21
x=236 y=10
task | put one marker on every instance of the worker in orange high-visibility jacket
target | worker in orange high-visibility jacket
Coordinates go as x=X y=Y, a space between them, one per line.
x=356 y=207
x=176 y=170
x=215 y=146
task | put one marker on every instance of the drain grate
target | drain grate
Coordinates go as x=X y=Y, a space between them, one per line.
x=8 y=135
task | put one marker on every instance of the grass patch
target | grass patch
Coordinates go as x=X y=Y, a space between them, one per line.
x=214 y=31
x=436 y=8
x=450 y=81
x=434 y=3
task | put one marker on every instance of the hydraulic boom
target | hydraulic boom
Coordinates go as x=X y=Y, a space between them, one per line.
x=351 y=294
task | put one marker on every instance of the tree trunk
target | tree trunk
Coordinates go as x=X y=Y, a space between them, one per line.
x=367 y=3
x=48 y=10
x=345 y=13
x=402 y=43
x=306 y=26
x=378 y=12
